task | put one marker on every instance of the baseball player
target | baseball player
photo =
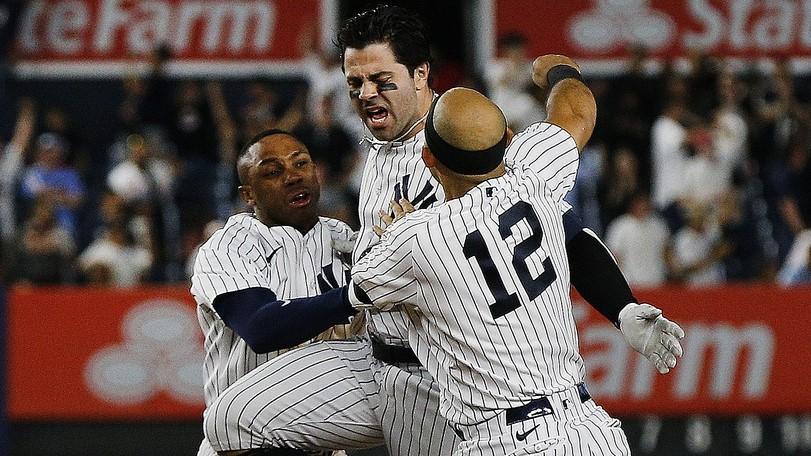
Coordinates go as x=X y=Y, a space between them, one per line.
x=248 y=274
x=386 y=59
x=385 y=55
x=484 y=280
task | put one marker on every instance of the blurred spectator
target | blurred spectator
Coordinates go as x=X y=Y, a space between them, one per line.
x=326 y=79
x=141 y=178
x=703 y=84
x=46 y=250
x=153 y=101
x=729 y=127
x=668 y=138
x=49 y=174
x=796 y=269
x=114 y=259
x=57 y=121
x=584 y=195
x=639 y=241
x=192 y=126
x=705 y=175
x=698 y=249
x=628 y=108
x=619 y=185
x=12 y=157
x=509 y=79
x=328 y=142
x=740 y=232
x=258 y=111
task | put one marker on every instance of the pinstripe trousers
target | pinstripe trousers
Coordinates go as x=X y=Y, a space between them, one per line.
x=574 y=428
x=328 y=396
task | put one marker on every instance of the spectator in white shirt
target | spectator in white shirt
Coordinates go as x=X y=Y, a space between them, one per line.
x=698 y=249
x=114 y=259
x=639 y=242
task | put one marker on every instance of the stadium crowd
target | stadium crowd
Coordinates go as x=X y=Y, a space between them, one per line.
x=697 y=174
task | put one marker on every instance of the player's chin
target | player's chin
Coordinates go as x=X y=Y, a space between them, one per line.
x=383 y=131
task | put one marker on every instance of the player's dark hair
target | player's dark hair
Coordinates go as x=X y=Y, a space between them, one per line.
x=403 y=30
x=258 y=137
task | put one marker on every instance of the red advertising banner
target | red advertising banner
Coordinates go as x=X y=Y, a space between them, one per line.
x=91 y=32
x=107 y=354
x=77 y=353
x=602 y=29
x=745 y=352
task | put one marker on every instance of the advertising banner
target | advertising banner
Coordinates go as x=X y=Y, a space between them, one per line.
x=115 y=354
x=743 y=354
x=77 y=353
x=605 y=29
x=64 y=36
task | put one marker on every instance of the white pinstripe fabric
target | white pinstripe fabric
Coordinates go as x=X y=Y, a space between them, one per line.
x=318 y=397
x=246 y=253
x=482 y=363
x=396 y=169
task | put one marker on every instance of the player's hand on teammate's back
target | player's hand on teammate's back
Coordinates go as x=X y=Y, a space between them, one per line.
x=544 y=63
x=399 y=210
x=651 y=334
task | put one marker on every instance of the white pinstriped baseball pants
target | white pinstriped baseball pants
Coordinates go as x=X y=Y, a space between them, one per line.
x=574 y=428
x=328 y=396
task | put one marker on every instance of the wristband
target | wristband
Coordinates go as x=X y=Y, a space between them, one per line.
x=560 y=72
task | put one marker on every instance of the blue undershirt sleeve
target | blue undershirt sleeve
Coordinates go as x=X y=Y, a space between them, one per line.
x=267 y=323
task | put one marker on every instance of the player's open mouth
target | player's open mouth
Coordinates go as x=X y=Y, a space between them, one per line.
x=377 y=116
x=299 y=199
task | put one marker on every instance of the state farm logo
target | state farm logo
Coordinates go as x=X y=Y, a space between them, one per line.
x=616 y=23
x=115 y=27
x=160 y=352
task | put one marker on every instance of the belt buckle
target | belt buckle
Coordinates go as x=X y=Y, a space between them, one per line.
x=542 y=410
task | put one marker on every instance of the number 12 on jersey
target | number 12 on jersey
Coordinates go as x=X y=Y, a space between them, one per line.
x=475 y=247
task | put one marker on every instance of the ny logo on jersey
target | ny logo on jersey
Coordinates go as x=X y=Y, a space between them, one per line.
x=327 y=280
x=425 y=198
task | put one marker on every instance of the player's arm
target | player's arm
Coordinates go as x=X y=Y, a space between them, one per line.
x=569 y=104
x=384 y=278
x=267 y=323
x=597 y=277
x=237 y=290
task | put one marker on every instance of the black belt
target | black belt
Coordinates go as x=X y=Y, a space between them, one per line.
x=392 y=354
x=539 y=407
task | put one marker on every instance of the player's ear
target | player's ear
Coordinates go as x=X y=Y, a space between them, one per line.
x=428 y=157
x=510 y=135
x=246 y=193
x=421 y=76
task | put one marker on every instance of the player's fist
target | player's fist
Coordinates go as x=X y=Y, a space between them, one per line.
x=651 y=334
x=544 y=63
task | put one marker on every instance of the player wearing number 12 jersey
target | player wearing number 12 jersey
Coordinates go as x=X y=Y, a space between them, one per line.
x=484 y=280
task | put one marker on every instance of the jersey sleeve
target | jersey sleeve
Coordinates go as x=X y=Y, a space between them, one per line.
x=226 y=263
x=551 y=152
x=386 y=272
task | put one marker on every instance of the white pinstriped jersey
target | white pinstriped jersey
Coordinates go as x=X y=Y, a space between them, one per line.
x=484 y=280
x=395 y=169
x=244 y=254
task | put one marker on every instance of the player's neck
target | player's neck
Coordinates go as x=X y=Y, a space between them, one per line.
x=425 y=98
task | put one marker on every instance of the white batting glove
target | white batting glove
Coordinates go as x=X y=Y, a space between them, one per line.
x=651 y=334
x=344 y=245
